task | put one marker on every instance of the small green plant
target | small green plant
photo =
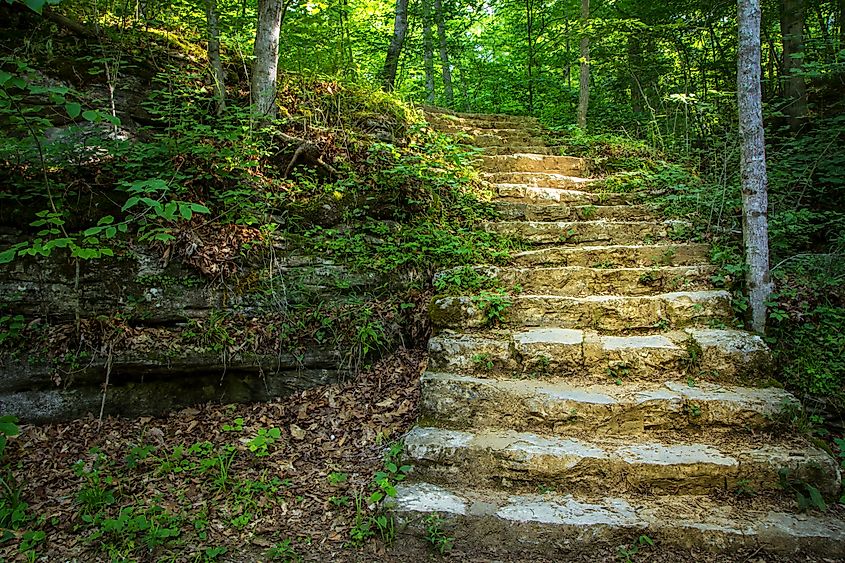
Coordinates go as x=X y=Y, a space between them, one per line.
x=588 y=211
x=434 y=534
x=266 y=437
x=618 y=372
x=97 y=491
x=339 y=500
x=336 y=478
x=283 y=551
x=807 y=496
x=627 y=553
x=494 y=305
x=237 y=425
x=483 y=362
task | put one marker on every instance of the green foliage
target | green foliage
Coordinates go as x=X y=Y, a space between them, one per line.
x=628 y=553
x=493 y=305
x=807 y=496
x=266 y=437
x=434 y=534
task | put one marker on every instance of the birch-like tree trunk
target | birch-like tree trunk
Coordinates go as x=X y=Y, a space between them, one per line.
x=394 y=50
x=265 y=69
x=217 y=74
x=794 y=90
x=444 y=53
x=428 y=52
x=584 y=78
x=755 y=205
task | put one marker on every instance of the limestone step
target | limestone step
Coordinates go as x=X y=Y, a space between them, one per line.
x=517 y=193
x=538 y=179
x=620 y=256
x=580 y=281
x=568 y=165
x=512 y=211
x=470 y=120
x=683 y=466
x=580 y=232
x=460 y=402
x=577 y=355
x=612 y=314
x=502 y=137
x=520 y=149
x=564 y=527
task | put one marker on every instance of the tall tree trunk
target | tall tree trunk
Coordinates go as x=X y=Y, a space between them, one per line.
x=444 y=53
x=794 y=89
x=428 y=52
x=584 y=79
x=217 y=74
x=394 y=50
x=529 y=29
x=265 y=70
x=755 y=229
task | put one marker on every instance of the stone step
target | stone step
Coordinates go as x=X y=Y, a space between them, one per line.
x=579 y=281
x=563 y=527
x=580 y=232
x=553 y=353
x=477 y=120
x=516 y=193
x=460 y=402
x=538 y=179
x=502 y=137
x=512 y=211
x=620 y=256
x=568 y=165
x=612 y=314
x=528 y=460
x=520 y=149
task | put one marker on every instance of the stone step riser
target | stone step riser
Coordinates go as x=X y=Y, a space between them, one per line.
x=567 y=165
x=528 y=461
x=613 y=315
x=442 y=122
x=545 y=353
x=532 y=179
x=589 y=232
x=464 y=402
x=583 y=282
x=507 y=194
x=511 y=211
x=505 y=149
x=615 y=256
x=503 y=139
x=563 y=528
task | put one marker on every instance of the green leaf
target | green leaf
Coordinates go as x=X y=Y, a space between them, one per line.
x=4 y=77
x=91 y=115
x=107 y=220
x=130 y=203
x=198 y=208
x=35 y=5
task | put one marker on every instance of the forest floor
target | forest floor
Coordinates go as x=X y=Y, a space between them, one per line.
x=290 y=480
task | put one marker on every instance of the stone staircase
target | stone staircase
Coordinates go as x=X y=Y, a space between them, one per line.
x=611 y=401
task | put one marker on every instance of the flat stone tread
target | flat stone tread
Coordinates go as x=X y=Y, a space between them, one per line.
x=707 y=449
x=701 y=269
x=551 y=251
x=684 y=519
x=565 y=225
x=727 y=339
x=767 y=400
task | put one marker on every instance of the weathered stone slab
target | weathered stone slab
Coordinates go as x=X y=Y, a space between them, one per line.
x=512 y=211
x=619 y=256
x=580 y=232
x=539 y=180
x=517 y=193
x=613 y=314
x=464 y=402
x=566 y=527
x=568 y=165
x=526 y=459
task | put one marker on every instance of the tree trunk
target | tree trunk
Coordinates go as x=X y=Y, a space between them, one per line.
x=428 y=52
x=217 y=74
x=584 y=80
x=265 y=70
x=635 y=65
x=794 y=89
x=444 y=53
x=394 y=50
x=755 y=228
